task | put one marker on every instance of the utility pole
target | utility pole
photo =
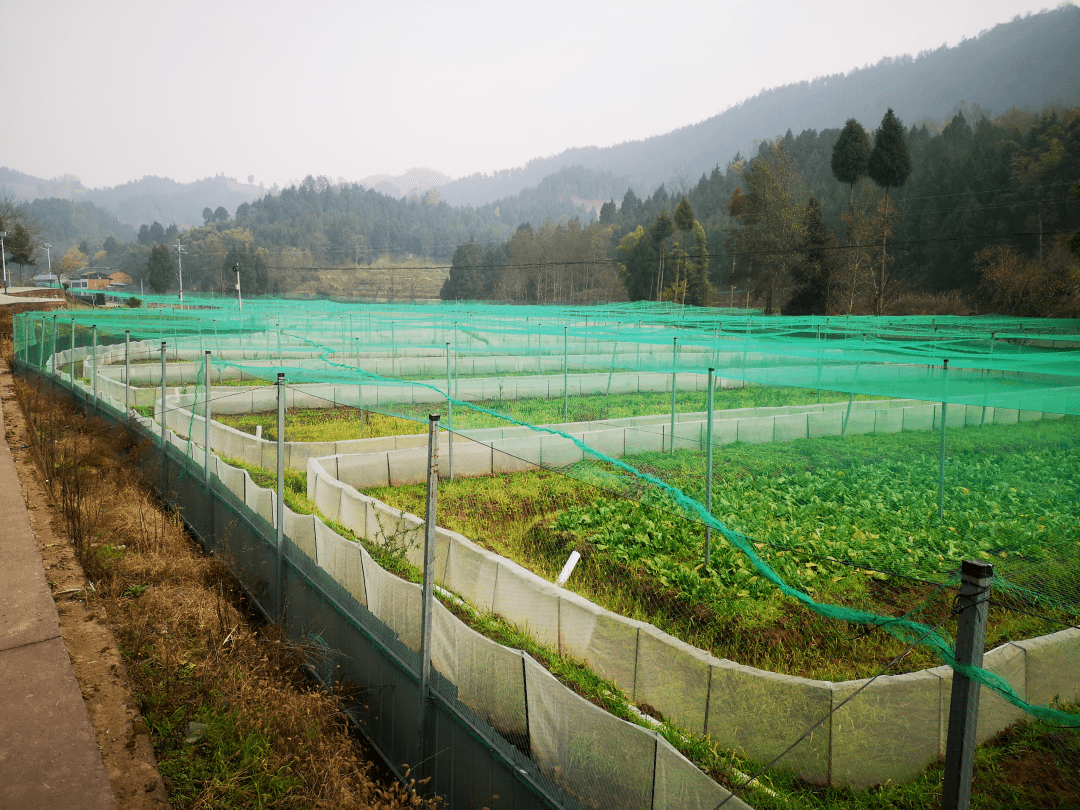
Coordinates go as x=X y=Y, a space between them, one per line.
x=239 y=297
x=3 y=259
x=180 y=265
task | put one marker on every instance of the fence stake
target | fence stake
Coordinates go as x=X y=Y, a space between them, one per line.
x=161 y=416
x=427 y=604
x=53 y=353
x=450 y=414
x=708 y=468
x=71 y=358
x=280 y=517
x=674 y=370
x=206 y=420
x=93 y=332
x=41 y=345
x=614 y=349
x=127 y=373
x=360 y=387
x=941 y=463
x=565 y=390
x=972 y=603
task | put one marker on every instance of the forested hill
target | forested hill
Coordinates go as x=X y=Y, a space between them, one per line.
x=1027 y=63
x=138 y=202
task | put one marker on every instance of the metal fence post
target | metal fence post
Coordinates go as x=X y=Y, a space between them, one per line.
x=280 y=516
x=941 y=462
x=206 y=421
x=164 y=456
x=450 y=414
x=93 y=366
x=427 y=604
x=127 y=373
x=360 y=387
x=674 y=371
x=972 y=605
x=708 y=468
x=71 y=359
x=53 y=344
x=565 y=390
x=41 y=346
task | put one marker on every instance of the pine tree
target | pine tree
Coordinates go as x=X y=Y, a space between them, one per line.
x=890 y=167
x=158 y=268
x=850 y=156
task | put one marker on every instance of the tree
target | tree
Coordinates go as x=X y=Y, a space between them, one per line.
x=157 y=233
x=889 y=167
x=207 y=215
x=772 y=222
x=813 y=275
x=159 y=269
x=20 y=245
x=659 y=232
x=697 y=280
x=850 y=156
x=608 y=212
x=637 y=263
x=466 y=280
x=74 y=260
x=113 y=247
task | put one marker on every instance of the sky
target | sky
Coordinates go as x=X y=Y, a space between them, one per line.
x=113 y=91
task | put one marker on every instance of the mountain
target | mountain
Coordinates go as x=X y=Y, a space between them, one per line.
x=1029 y=63
x=151 y=199
x=414 y=183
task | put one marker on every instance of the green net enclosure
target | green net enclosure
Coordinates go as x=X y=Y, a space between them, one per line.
x=768 y=515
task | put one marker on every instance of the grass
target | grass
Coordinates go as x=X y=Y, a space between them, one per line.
x=341 y=423
x=845 y=520
x=265 y=735
x=1001 y=765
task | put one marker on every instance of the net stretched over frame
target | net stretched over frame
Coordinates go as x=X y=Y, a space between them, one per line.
x=830 y=492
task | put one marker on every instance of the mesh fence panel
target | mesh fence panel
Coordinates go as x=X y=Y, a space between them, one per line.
x=836 y=520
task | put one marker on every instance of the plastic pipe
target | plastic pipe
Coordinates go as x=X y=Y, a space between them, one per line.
x=568 y=569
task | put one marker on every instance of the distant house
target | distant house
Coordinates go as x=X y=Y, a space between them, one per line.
x=119 y=278
x=50 y=280
x=92 y=278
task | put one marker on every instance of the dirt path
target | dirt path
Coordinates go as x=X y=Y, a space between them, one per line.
x=121 y=734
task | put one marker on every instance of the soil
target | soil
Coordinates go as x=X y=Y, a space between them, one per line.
x=121 y=733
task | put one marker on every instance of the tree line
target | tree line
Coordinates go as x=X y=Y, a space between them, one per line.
x=850 y=220
x=982 y=208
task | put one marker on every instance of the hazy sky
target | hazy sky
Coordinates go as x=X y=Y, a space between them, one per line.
x=112 y=91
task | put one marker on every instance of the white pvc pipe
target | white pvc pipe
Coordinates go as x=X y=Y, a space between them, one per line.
x=568 y=569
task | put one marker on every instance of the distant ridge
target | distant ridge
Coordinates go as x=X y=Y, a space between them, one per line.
x=1030 y=62
x=415 y=182
x=140 y=201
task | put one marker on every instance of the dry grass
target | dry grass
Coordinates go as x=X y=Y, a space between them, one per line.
x=271 y=738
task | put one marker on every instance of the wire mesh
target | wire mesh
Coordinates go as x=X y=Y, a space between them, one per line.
x=818 y=631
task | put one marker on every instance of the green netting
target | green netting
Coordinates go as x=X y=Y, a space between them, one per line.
x=875 y=400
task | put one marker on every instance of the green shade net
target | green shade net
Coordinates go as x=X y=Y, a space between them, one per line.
x=407 y=360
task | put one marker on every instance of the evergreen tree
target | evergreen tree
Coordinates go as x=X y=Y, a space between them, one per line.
x=697 y=280
x=814 y=274
x=889 y=167
x=850 y=156
x=466 y=280
x=159 y=269
x=637 y=264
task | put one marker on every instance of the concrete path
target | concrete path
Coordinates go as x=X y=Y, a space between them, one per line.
x=48 y=752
